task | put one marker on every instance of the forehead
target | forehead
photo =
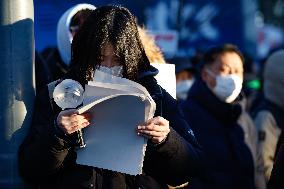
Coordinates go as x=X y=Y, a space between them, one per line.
x=229 y=60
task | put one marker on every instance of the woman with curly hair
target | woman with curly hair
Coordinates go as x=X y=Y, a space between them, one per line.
x=108 y=41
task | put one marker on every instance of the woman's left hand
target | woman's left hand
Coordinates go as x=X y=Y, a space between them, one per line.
x=155 y=129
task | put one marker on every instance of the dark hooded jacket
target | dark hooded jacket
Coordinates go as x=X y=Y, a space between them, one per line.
x=276 y=179
x=48 y=159
x=227 y=160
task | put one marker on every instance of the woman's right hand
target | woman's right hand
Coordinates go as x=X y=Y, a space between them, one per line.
x=70 y=121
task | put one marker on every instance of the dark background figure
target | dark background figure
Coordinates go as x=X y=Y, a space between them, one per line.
x=214 y=109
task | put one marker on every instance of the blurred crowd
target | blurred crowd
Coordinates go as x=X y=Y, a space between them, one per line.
x=233 y=103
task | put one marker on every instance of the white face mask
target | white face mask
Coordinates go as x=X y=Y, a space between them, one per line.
x=183 y=88
x=115 y=70
x=228 y=87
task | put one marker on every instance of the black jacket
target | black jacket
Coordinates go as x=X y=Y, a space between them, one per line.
x=276 y=180
x=227 y=160
x=50 y=161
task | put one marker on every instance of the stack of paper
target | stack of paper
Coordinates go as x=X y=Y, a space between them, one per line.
x=166 y=77
x=117 y=106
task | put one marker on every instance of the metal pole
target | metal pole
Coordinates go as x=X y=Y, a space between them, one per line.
x=16 y=84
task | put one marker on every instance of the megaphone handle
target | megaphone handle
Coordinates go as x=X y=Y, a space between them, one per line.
x=81 y=143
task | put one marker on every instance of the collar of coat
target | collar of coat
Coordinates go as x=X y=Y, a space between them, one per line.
x=227 y=113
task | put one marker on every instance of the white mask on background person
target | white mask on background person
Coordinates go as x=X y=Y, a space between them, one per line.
x=183 y=88
x=115 y=70
x=228 y=87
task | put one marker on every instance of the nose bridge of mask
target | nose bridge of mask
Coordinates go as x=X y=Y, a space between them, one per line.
x=230 y=79
x=115 y=70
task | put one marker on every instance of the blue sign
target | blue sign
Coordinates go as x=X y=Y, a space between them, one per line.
x=199 y=24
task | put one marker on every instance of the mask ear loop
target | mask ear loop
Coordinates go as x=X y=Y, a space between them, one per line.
x=210 y=73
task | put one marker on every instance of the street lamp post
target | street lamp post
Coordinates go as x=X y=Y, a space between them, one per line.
x=16 y=84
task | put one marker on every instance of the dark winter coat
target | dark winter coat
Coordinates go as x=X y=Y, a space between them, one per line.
x=276 y=180
x=227 y=160
x=49 y=160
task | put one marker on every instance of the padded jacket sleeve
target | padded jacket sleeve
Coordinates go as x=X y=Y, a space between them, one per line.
x=178 y=158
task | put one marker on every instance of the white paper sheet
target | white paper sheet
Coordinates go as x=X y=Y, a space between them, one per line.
x=111 y=140
x=166 y=77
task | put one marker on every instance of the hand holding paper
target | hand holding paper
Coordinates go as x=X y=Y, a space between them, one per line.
x=156 y=129
x=70 y=121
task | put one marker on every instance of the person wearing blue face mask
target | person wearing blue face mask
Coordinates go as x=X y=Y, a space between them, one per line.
x=215 y=110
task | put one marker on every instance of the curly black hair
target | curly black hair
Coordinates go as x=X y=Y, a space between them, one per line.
x=113 y=25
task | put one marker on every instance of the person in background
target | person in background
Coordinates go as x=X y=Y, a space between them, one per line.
x=185 y=76
x=224 y=129
x=109 y=41
x=269 y=116
x=58 y=59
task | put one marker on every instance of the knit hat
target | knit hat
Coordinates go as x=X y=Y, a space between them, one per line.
x=274 y=78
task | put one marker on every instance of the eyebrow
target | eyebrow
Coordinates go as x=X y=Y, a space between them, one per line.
x=225 y=65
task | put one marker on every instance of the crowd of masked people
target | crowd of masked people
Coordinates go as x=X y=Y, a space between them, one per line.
x=224 y=131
